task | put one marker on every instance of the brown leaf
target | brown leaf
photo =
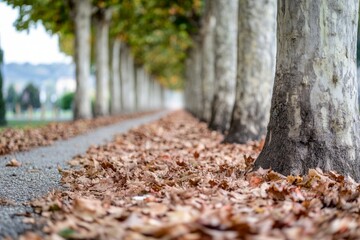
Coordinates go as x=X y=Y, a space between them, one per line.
x=30 y=236
x=91 y=207
x=294 y=179
x=249 y=162
x=169 y=194
x=297 y=195
x=255 y=181
x=277 y=192
x=6 y=202
x=274 y=176
x=213 y=183
x=13 y=163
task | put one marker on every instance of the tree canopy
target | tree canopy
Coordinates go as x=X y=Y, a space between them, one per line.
x=158 y=32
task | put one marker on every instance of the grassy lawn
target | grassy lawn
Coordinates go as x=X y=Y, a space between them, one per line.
x=24 y=121
x=24 y=124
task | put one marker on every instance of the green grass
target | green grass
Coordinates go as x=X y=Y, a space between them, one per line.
x=37 y=116
x=37 y=120
x=23 y=124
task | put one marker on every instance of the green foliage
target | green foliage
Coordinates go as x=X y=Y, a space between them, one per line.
x=67 y=233
x=159 y=32
x=12 y=97
x=54 y=15
x=30 y=96
x=66 y=101
x=2 y=102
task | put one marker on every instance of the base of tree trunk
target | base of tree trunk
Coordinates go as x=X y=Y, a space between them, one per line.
x=303 y=156
x=240 y=134
x=219 y=127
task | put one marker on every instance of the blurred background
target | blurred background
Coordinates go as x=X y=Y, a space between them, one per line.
x=35 y=73
x=39 y=72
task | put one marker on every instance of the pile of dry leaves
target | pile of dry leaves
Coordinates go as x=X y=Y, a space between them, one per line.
x=13 y=139
x=174 y=180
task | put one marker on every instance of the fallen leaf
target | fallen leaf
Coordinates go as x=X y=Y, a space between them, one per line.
x=30 y=236
x=149 y=184
x=255 y=181
x=13 y=163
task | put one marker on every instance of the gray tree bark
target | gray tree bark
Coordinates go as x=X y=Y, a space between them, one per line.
x=226 y=13
x=146 y=90
x=208 y=59
x=82 y=20
x=139 y=87
x=102 y=24
x=155 y=94
x=158 y=95
x=132 y=83
x=188 y=84
x=193 y=86
x=136 y=89
x=127 y=79
x=162 y=97
x=196 y=82
x=123 y=74
x=314 y=120
x=142 y=88
x=256 y=70
x=115 y=106
x=151 y=93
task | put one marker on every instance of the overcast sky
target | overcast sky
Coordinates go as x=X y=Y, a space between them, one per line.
x=37 y=46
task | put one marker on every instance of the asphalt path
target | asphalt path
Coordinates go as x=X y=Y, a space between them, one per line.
x=39 y=173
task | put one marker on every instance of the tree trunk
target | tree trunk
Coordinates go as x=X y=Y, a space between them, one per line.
x=314 y=119
x=155 y=94
x=197 y=86
x=132 y=83
x=82 y=19
x=127 y=79
x=152 y=93
x=115 y=79
x=193 y=79
x=195 y=55
x=158 y=95
x=102 y=23
x=358 y=82
x=188 y=84
x=2 y=101
x=256 y=69
x=139 y=86
x=123 y=74
x=142 y=88
x=145 y=90
x=162 y=97
x=226 y=12
x=208 y=59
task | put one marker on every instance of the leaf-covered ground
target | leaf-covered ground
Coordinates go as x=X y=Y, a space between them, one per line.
x=15 y=139
x=173 y=179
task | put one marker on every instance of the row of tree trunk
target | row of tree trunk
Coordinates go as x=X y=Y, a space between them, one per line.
x=312 y=104
x=230 y=68
x=121 y=86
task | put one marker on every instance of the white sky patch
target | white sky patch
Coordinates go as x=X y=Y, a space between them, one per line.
x=35 y=47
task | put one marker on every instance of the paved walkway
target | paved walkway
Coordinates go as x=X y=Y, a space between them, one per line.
x=39 y=174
